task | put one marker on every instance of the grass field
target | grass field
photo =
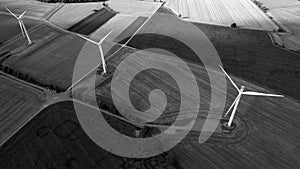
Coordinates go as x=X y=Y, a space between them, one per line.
x=18 y=103
x=242 y=12
x=34 y=8
x=9 y=27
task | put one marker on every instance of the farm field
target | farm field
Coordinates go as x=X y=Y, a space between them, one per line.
x=91 y=23
x=263 y=122
x=123 y=26
x=70 y=14
x=34 y=8
x=248 y=54
x=267 y=137
x=54 y=138
x=134 y=7
x=225 y=12
x=18 y=104
x=9 y=26
x=51 y=63
x=273 y=4
x=67 y=144
x=290 y=18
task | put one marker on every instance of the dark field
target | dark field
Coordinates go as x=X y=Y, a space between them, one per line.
x=18 y=104
x=54 y=139
x=247 y=54
x=50 y=61
x=268 y=128
x=91 y=23
x=9 y=27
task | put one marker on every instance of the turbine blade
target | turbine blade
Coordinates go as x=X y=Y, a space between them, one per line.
x=87 y=39
x=11 y=13
x=20 y=17
x=229 y=78
x=102 y=40
x=21 y=27
x=236 y=99
x=261 y=94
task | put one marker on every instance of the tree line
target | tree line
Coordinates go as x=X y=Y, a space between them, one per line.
x=29 y=79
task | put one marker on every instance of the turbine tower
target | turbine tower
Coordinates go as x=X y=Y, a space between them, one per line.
x=99 y=44
x=239 y=96
x=22 y=26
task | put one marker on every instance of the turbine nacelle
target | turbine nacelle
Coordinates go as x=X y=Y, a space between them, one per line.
x=99 y=44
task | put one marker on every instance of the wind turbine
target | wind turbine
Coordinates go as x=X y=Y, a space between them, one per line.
x=22 y=26
x=239 y=96
x=99 y=44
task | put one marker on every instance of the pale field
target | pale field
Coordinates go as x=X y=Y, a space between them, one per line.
x=243 y=12
x=34 y=8
x=71 y=14
x=290 y=18
x=273 y=4
x=134 y=7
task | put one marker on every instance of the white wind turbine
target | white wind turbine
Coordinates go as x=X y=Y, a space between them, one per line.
x=239 y=96
x=99 y=44
x=22 y=26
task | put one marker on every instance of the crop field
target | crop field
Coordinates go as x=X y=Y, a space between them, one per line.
x=242 y=12
x=268 y=133
x=18 y=104
x=9 y=27
x=70 y=14
x=290 y=18
x=55 y=139
x=267 y=137
x=123 y=26
x=134 y=7
x=18 y=45
x=91 y=23
x=34 y=8
x=52 y=61
x=248 y=54
x=262 y=122
x=51 y=64
x=273 y=4
x=67 y=144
